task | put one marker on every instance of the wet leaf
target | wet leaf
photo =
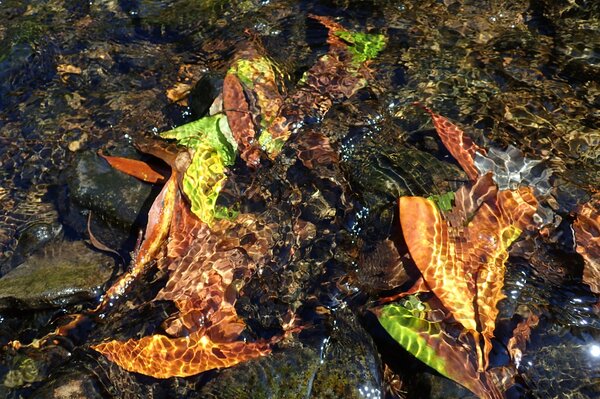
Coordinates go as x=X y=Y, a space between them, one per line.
x=212 y=130
x=160 y=356
x=214 y=148
x=363 y=46
x=464 y=266
x=587 y=239
x=203 y=263
x=240 y=118
x=461 y=146
x=203 y=181
x=517 y=343
x=410 y=325
x=157 y=230
x=133 y=167
x=443 y=201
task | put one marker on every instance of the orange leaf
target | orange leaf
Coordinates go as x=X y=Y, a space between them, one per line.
x=461 y=146
x=464 y=264
x=162 y=357
x=132 y=167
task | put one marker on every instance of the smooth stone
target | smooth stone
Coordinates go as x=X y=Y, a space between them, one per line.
x=62 y=274
x=111 y=194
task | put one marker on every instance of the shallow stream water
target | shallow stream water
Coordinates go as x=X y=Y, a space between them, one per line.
x=79 y=76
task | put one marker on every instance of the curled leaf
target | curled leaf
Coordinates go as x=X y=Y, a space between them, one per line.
x=517 y=343
x=464 y=266
x=210 y=130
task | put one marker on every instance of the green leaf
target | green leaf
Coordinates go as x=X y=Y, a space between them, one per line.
x=443 y=201
x=409 y=323
x=406 y=324
x=203 y=181
x=213 y=130
x=363 y=46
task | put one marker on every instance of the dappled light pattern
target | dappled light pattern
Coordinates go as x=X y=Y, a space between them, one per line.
x=587 y=238
x=464 y=266
x=163 y=357
x=510 y=169
x=212 y=251
x=203 y=263
x=461 y=146
x=157 y=230
x=415 y=326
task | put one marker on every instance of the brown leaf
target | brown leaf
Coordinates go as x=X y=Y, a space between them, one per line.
x=461 y=146
x=587 y=239
x=240 y=119
x=179 y=92
x=159 y=222
x=517 y=343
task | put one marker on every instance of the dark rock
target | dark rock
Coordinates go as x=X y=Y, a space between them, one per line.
x=343 y=365
x=438 y=387
x=32 y=239
x=73 y=385
x=33 y=366
x=113 y=195
x=63 y=274
x=350 y=365
x=204 y=93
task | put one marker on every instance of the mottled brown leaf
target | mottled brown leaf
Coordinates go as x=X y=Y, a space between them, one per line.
x=587 y=239
x=460 y=145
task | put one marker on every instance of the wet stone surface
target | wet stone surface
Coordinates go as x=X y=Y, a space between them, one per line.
x=60 y=275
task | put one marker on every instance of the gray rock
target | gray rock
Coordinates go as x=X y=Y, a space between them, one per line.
x=62 y=274
x=115 y=196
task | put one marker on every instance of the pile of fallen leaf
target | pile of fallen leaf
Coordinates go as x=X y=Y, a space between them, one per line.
x=447 y=319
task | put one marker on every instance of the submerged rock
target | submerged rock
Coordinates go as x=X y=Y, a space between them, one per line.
x=120 y=198
x=61 y=275
x=345 y=364
x=71 y=385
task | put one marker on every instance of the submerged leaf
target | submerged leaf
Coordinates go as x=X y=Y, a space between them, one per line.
x=213 y=130
x=214 y=148
x=461 y=146
x=443 y=201
x=203 y=181
x=408 y=323
x=587 y=239
x=160 y=356
x=364 y=46
x=464 y=266
x=133 y=167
